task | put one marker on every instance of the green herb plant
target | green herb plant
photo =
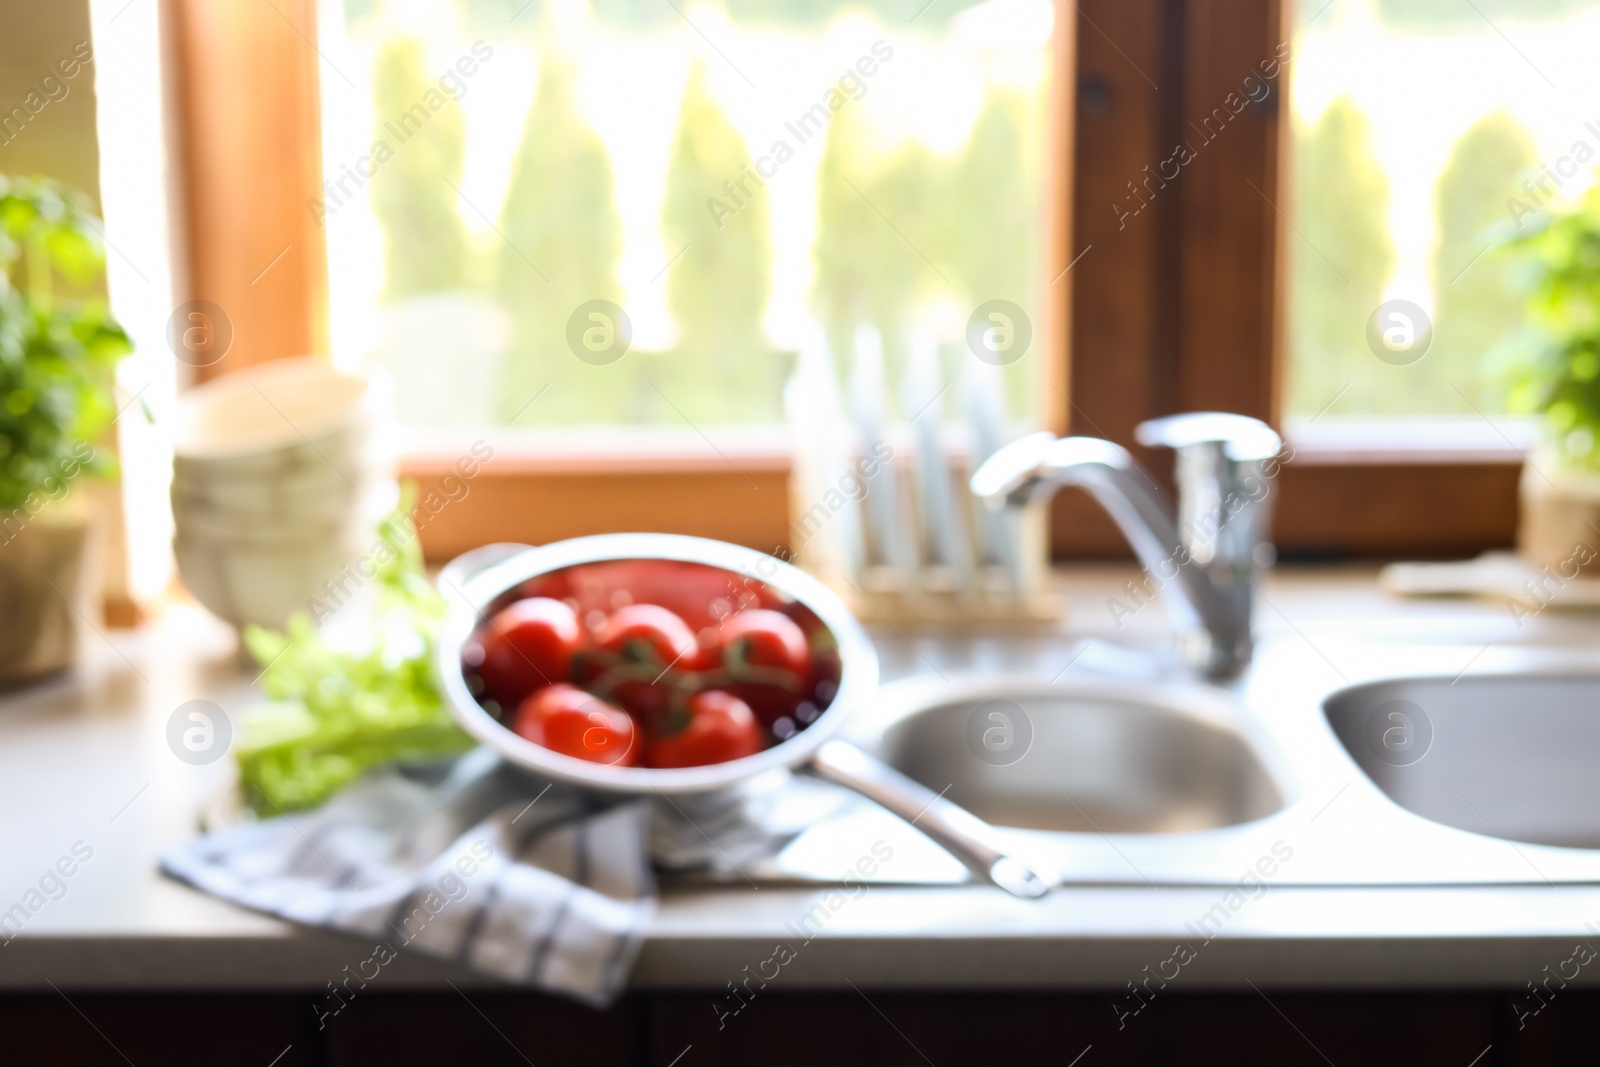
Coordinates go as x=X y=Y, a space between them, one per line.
x=58 y=347
x=334 y=712
x=1550 y=366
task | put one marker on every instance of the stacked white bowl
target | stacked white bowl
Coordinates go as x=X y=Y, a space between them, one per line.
x=281 y=475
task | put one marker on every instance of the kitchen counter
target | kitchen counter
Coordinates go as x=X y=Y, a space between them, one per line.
x=87 y=768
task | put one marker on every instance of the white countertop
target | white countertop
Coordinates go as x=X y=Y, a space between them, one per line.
x=85 y=760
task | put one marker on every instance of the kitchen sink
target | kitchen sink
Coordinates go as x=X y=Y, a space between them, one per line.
x=1375 y=763
x=1108 y=758
x=1514 y=756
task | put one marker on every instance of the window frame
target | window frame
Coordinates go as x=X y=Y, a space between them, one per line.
x=1182 y=306
x=244 y=157
x=1189 y=310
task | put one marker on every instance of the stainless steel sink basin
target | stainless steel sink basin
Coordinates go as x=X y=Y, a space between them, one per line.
x=1337 y=761
x=1344 y=762
x=1104 y=757
x=1515 y=756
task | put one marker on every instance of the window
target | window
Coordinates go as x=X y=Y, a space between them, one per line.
x=1422 y=133
x=1188 y=305
x=576 y=212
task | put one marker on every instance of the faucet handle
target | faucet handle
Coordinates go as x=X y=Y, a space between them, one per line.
x=1241 y=437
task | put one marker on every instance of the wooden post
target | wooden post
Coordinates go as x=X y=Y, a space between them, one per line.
x=246 y=159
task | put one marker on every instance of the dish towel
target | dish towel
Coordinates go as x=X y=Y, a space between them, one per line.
x=476 y=862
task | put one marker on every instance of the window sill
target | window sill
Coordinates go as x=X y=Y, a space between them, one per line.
x=537 y=487
x=1395 y=442
x=1349 y=490
x=601 y=449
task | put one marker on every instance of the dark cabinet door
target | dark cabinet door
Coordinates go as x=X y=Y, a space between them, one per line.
x=173 y=1030
x=873 y=1028
x=1549 y=1025
x=881 y=1029
x=485 y=1029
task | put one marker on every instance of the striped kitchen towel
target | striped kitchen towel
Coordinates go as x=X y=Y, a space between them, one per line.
x=468 y=861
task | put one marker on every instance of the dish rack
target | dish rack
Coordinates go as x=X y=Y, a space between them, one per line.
x=880 y=509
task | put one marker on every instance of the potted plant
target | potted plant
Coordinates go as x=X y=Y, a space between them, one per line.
x=58 y=350
x=1551 y=367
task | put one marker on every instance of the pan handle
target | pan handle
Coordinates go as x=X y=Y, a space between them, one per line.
x=958 y=831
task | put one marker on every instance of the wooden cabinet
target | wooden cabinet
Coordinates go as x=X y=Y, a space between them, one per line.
x=893 y=1029
x=873 y=1028
x=84 y=1029
x=482 y=1029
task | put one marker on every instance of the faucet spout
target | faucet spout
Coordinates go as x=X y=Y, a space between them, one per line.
x=1201 y=561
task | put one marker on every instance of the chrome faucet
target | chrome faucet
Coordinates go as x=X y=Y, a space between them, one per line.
x=1203 y=561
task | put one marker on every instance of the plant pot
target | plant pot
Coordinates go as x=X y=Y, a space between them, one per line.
x=1559 y=521
x=44 y=561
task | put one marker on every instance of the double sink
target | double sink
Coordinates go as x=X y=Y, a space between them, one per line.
x=1361 y=764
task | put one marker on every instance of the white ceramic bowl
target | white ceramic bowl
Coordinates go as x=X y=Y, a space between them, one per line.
x=241 y=423
x=308 y=493
x=281 y=474
x=262 y=583
x=290 y=524
x=337 y=459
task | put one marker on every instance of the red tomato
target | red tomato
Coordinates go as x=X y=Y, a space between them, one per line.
x=565 y=719
x=767 y=660
x=525 y=646
x=767 y=639
x=650 y=640
x=807 y=620
x=648 y=633
x=557 y=585
x=698 y=594
x=720 y=727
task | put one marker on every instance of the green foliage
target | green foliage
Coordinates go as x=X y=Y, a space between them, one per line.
x=718 y=289
x=1551 y=365
x=411 y=192
x=786 y=13
x=1342 y=260
x=1475 y=303
x=897 y=229
x=494 y=18
x=1456 y=15
x=57 y=353
x=991 y=250
x=335 y=713
x=563 y=239
x=357 y=10
x=973 y=216
x=1446 y=15
x=877 y=217
x=996 y=225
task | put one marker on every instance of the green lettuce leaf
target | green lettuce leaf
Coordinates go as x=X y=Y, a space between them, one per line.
x=335 y=712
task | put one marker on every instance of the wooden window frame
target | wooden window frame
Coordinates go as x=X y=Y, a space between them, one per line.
x=1181 y=307
x=1187 y=298
x=245 y=157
